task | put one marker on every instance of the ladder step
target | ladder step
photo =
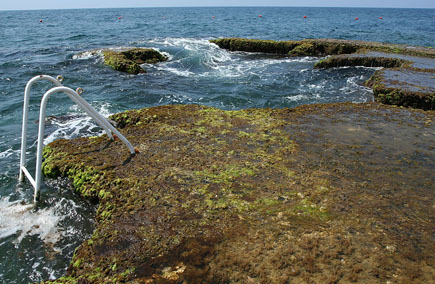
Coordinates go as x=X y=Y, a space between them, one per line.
x=29 y=176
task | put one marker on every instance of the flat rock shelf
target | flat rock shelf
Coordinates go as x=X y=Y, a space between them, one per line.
x=330 y=193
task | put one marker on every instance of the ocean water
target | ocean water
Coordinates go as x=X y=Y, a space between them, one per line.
x=37 y=243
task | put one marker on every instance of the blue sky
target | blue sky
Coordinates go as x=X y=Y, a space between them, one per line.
x=68 y=4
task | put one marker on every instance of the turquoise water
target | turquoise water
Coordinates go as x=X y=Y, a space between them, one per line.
x=36 y=244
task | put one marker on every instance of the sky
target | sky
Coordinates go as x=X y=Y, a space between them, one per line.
x=72 y=4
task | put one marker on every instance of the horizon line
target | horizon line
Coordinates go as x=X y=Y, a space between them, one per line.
x=224 y=6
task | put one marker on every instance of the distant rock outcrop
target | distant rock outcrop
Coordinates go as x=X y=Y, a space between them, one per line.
x=130 y=60
x=408 y=79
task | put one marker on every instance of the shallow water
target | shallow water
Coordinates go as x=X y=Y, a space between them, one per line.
x=197 y=72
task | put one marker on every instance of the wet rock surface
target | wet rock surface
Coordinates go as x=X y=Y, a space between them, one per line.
x=129 y=60
x=317 y=194
x=409 y=80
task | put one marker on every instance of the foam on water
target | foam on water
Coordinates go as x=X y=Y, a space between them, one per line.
x=88 y=54
x=198 y=58
x=354 y=86
x=8 y=153
x=36 y=243
x=174 y=70
x=17 y=218
x=77 y=124
x=298 y=98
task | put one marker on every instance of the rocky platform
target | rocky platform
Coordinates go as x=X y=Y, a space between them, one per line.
x=407 y=80
x=333 y=193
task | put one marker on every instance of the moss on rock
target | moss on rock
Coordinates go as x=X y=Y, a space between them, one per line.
x=263 y=195
x=144 y=55
x=393 y=91
x=341 y=61
x=254 y=45
x=130 y=60
x=318 y=47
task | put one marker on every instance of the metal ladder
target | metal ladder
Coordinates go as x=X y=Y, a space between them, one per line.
x=75 y=97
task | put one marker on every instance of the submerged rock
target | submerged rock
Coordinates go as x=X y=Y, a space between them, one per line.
x=130 y=60
x=410 y=83
x=320 y=193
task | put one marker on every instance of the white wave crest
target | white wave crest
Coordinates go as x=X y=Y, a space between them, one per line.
x=88 y=54
x=192 y=57
x=353 y=86
x=176 y=71
x=9 y=152
x=301 y=97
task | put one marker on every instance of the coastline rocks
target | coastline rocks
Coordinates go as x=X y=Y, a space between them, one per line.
x=318 y=47
x=326 y=192
x=405 y=80
x=130 y=60
x=408 y=81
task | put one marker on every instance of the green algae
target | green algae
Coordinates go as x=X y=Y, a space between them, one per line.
x=217 y=197
x=130 y=60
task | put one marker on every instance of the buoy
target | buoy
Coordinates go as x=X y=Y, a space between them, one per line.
x=356 y=18
x=213 y=17
x=40 y=21
x=119 y=18
x=260 y=16
x=305 y=17
x=380 y=18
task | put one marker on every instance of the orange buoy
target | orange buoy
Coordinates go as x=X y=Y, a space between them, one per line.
x=119 y=18
x=380 y=18
x=213 y=17
x=260 y=16
x=305 y=17
x=40 y=21
x=356 y=18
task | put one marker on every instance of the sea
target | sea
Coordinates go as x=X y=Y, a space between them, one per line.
x=37 y=243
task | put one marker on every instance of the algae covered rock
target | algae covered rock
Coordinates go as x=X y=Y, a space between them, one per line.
x=255 y=45
x=319 y=47
x=346 y=60
x=130 y=60
x=307 y=47
x=408 y=81
x=298 y=195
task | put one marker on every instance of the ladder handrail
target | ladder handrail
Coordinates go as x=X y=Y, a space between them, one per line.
x=26 y=115
x=95 y=115
x=82 y=103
